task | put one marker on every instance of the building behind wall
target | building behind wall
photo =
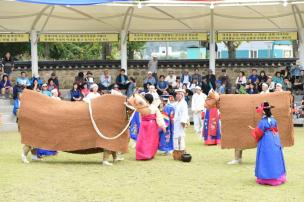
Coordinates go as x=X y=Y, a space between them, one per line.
x=259 y=49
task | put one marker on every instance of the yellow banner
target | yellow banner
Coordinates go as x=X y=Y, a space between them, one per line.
x=78 y=38
x=168 y=37
x=14 y=38
x=257 y=36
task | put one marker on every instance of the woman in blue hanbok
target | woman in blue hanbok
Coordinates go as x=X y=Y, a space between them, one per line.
x=166 y=138
x=270 y=165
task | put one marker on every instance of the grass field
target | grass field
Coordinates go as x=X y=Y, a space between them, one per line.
x=70 y=177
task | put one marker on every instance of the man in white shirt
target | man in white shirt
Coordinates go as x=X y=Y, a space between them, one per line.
x=186 y=78
x=181 y=119
x=171 y=79
x=197 y=107
x=105 y=80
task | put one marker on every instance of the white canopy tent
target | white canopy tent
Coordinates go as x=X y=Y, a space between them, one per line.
x=153 y=16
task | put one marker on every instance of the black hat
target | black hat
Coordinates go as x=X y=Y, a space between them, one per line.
x=264 y=105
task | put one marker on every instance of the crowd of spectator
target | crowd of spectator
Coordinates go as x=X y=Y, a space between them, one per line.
x=84 y=86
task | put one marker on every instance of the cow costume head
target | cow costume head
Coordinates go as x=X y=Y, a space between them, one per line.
x=212 y=100
x=139 y=103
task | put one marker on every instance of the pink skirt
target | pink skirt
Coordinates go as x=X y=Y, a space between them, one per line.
x=148 y=138
x=272 y=182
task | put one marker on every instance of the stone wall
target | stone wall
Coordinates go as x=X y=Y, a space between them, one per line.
x=66 y=77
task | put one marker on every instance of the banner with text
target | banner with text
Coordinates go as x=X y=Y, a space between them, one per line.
x=257 y=36
x=78 y=37
x=168 y=37
x=14 y=38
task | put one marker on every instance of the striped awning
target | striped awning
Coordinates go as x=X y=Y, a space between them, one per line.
x=158 y=16
x=72 y=2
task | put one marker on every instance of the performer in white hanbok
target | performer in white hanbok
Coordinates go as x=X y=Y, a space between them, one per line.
x=197 y=107
x=181 y=120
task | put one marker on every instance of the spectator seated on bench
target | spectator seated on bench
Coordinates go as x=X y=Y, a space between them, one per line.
x=75 y=93
x=122 y=80
x=36 y=86
x=162 y=85
x=45 y=90
x=6 y=88
x=85 y=90
x=105 y=81
x=149 y=80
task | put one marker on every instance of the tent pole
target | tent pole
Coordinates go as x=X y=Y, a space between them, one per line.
x=34 y=52
x=212 y=53
x=301 y=46
x=123 y=50
x=300 y=24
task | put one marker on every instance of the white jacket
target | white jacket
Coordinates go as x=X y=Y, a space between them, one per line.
x=198 y=101
x=181 y=116
x=159 y=117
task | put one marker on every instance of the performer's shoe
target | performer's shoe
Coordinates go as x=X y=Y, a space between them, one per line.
x=234 y=162
x=107 y=163
x=119 y=158
x=24 y=159
x=36 y=158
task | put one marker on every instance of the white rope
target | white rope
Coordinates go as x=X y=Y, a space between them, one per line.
x=98 y=131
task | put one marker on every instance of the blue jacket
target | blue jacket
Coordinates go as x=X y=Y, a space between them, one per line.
x=16 y=106
x=119 y=80
x=47 y=93
x=75 y=94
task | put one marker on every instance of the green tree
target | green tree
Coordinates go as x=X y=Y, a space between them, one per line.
x=106 y=52
x=135 y=46
x=16 y=49
x=70 y=51
x=232 y=46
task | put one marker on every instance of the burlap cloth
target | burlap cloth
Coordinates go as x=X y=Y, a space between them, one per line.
x=66 y=126
x=239 y=111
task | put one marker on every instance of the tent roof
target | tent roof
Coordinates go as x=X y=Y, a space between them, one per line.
x=152 y=16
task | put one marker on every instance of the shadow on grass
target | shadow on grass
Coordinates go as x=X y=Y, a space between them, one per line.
x=68 y=162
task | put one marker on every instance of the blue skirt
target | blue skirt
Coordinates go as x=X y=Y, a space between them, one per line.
x=43 y=152
x=270 y=162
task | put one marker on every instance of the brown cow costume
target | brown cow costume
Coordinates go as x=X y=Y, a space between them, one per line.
x=66 y=126
x=239 y=111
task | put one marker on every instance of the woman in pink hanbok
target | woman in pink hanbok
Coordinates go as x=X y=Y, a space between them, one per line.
x=151 y=121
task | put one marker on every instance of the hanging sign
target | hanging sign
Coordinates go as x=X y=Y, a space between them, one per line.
x=256 y=36
x=168 y=37
x=78 y=37
x=14 y=38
